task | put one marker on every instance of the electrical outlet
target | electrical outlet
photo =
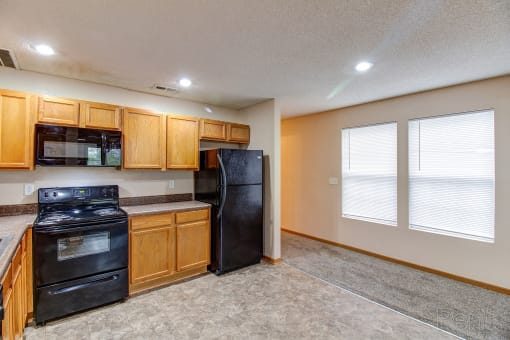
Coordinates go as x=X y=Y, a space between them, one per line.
x=28 y=189
x=171 y=184
x=333 y=180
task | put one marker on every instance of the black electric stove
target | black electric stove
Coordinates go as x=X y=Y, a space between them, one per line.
x=80 y=250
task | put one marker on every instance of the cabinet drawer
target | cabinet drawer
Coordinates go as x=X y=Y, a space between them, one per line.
x=190 y=216
x=149 y=221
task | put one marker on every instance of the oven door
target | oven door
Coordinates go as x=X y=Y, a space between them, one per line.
x=72 y=252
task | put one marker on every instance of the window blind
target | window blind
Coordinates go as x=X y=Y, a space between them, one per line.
x=369 y=173
x=451 y=175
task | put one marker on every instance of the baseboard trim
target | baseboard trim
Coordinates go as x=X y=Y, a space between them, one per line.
x=271 y=260
x=408 y=264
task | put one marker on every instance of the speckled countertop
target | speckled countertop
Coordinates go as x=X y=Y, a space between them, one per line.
x=12 y=229
x=134 y=210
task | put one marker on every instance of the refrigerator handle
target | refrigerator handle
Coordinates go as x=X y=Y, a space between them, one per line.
x=223 y=186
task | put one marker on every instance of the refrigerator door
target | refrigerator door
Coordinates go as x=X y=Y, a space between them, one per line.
x=242 y=166
x=240 y=228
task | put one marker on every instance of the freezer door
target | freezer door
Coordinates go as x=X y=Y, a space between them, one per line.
x=242 y=166
x=240 y=228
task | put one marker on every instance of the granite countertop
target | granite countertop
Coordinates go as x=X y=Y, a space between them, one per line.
x=145 y=209
x=12 y=229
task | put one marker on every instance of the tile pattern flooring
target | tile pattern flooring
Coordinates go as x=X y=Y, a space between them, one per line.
x=259 y=302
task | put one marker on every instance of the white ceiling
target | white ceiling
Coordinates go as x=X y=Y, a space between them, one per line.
x=241 y=52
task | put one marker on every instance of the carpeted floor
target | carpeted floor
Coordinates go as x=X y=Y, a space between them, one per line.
x=459 y=308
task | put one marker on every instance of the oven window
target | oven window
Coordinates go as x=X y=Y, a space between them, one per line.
x=78 y=246
x=89 y=151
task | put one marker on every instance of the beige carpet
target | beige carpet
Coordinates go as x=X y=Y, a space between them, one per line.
x=460 y=308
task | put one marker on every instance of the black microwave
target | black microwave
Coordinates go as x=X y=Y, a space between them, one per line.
x=72 y=146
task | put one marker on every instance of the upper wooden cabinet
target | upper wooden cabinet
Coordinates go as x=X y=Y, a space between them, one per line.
x=217 y=130
x=16 y=130
x=238 y=133
x=100 y=116
x=69 y=112
x=60 y=111
x=182 y=146
x=213 y=130
x=144 y=139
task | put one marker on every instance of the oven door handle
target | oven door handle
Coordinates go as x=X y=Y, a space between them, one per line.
x=71 y=229
x=83 y=285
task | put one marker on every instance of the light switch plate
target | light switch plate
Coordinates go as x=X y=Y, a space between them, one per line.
x=171 y=184
x=333 y=180
x=28 y=189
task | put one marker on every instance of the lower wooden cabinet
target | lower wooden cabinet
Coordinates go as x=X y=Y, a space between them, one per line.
x=166 y=247
x=17 y=290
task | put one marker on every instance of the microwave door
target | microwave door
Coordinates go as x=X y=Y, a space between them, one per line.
x=67 y=146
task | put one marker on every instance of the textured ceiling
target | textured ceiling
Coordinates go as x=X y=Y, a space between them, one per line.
x=240 y=52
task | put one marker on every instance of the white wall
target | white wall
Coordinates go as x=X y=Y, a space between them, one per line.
x=131 y=182
x=311 y=153
x=264 y=121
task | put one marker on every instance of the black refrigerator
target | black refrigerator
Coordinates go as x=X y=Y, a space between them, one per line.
x=231 y=181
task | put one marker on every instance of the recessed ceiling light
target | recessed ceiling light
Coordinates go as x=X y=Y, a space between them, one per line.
x=363 y=66
x=185 y=82
x=207 y=109
x=44 y=49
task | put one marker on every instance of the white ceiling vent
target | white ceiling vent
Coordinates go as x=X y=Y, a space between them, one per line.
x=7 y=59
x=164 y=88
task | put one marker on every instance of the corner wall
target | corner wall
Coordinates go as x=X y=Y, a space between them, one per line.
x=311 y=153
x=264 y=121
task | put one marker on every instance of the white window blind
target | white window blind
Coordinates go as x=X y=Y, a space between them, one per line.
x=451 y=175
x=369 y=173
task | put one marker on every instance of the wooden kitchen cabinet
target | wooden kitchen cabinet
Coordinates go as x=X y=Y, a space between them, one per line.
x=238 y=133
x=182 y=146
x=152 y=250
x=28 y=275
x=217 y=130
x=100 y=116
x=16 y=130
x=213 y=130
x=143 y=139
x=193 y=239
x=61 y=111
x=166 y=247
x=17 y=291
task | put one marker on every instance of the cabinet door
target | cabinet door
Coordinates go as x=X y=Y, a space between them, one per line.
x=182 y=142
x=213 y=130
x=100 y=116
x=18 y=317
x=238 y=133
x=152 y=254
x=16 y=130
x=193 y=245
x=28 y=275
x=58 y=111
x=143 y=139
x=7 y=322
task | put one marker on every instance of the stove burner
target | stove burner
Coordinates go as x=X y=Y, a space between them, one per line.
x=106 y=212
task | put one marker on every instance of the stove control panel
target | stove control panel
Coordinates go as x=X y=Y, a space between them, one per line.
x=55 y=195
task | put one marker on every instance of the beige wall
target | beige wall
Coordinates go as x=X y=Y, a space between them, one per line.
x=264 y=121
x=311 y=153
x=131 y=182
